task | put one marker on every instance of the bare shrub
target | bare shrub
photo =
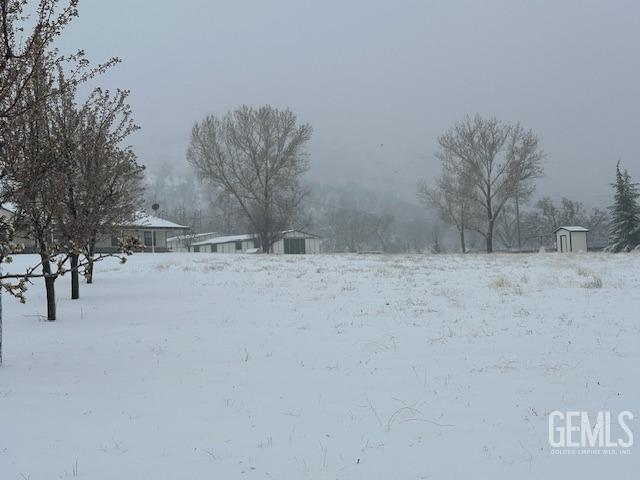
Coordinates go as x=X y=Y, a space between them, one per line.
x=594 y=281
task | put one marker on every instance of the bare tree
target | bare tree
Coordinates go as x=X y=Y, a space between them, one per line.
x=450 y=198
x=353 y=230
x=102 y=180
x=506 y=228
x=436 y=239
x=496 y=160
x=257 y=156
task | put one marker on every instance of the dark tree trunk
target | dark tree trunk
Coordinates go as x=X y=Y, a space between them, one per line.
x=75 y=277
x=50 y=288
x=265 y=242
x=490 y=237
x=463 y=246
x=92 y=249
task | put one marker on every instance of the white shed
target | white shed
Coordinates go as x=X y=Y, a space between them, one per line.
x=571 y=239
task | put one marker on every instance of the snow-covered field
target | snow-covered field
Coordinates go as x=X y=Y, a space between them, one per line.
x=193 y=366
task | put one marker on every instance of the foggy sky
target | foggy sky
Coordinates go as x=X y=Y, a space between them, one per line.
x=379 y=81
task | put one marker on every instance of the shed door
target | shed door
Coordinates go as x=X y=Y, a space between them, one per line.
x=563 y=243
x=294 y=245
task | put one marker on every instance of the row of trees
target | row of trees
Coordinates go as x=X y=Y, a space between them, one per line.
x=253 y=160
x=62 y=163
x=489 y=170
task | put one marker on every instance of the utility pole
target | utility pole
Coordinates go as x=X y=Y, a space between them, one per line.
x=155 y=207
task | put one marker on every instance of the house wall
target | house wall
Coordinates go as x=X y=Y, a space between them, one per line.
x=576 y=241
x=104 y=243
x=579 y=241
x=311 y=244
x=230 y=247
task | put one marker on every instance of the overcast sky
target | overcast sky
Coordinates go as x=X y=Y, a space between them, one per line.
x=379 y=81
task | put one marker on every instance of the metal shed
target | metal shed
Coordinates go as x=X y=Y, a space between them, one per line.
x=571 y=239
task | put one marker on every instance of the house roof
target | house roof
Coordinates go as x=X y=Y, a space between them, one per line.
x=149 y=221
x=572 y=229
x=313 y=235
x=9 y=207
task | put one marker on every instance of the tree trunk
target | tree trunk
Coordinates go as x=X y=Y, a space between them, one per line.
x=75 y=277
x=463 y=247
x=518 y=222
x=50 y=288
x=92 y=249
x=265 y=242
x=490 y=237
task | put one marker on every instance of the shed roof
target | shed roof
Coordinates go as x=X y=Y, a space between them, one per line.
x=572 y=229
x=225 y=239
x=9 y=207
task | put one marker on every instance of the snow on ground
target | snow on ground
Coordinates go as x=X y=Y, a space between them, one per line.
x=195 y=366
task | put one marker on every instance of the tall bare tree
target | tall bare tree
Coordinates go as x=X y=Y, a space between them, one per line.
x=257 y=156
x=497 y=160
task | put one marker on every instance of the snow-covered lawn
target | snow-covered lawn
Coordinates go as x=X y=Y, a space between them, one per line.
x=194 y=366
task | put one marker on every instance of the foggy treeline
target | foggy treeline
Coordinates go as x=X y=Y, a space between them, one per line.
x=351 y=217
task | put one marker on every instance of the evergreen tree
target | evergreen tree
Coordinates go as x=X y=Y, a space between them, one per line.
x=624 y=233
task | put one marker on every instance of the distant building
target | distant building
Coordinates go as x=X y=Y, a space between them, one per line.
x=8 y=211
x=292 y=242
x=182 y=242
x=151 y=232
x=571 y=239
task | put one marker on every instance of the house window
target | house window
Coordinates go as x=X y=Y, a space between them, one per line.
x=214 y=248
x=115 y=242
x=196 y=249
x=256 y=243
x=148 y=239
x=294 y=245
x=238 y=246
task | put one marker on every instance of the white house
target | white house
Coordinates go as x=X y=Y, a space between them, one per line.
x=292 y=242
x=571 y=239
x=151 y=232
